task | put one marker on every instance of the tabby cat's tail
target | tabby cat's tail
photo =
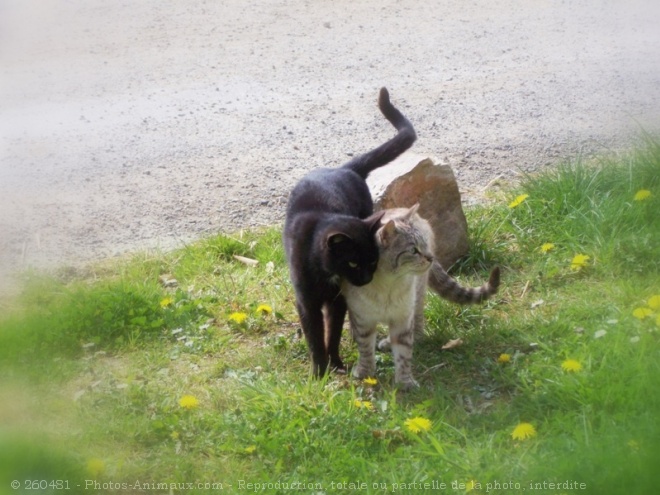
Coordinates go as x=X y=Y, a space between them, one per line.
x=448 y=288
x=391 y=149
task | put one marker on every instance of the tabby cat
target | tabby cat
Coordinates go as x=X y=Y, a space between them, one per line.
x=396 y=294
x=328 y=237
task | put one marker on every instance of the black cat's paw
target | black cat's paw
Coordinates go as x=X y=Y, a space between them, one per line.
x=319 y=367
x=338 y=367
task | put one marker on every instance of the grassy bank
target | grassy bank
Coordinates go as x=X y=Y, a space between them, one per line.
x=186 y=367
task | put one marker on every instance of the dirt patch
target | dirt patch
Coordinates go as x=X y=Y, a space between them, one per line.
x=131 y=126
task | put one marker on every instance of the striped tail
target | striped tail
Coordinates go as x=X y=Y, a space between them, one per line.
x=448 y=288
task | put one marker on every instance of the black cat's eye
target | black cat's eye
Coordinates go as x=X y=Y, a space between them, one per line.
x=352 y=264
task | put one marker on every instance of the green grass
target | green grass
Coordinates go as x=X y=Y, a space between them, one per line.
x=94 y=366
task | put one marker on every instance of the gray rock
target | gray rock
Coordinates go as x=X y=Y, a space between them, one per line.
x=435 y=188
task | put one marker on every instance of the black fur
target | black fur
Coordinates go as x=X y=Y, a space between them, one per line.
x=326 y=237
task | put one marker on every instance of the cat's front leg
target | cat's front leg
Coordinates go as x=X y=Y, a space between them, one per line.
x=335 y=314
x=365 y=337
x=311 y=320
x=401 y=341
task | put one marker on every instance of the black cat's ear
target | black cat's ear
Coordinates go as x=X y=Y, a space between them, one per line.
x=336 y=238
x=373 y=221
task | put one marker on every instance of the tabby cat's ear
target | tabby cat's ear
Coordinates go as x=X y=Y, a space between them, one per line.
x=412 y=210
x=387 y=233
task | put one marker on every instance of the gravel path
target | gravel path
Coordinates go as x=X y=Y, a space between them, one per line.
x=128 y=125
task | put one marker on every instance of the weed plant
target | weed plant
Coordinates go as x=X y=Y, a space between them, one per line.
x=185 y=372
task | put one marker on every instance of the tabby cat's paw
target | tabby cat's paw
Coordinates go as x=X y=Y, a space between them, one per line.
x=385 y=345
x=407 y=385
x=361 y=372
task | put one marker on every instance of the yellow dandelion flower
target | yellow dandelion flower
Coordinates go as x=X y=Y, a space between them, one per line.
x=417 y=424
x=168 y=301
x=370 y=381
x=641 y=313
x=363 y=404
x=579 y=261
x=654 y=302
x=518 y=200
x=188 y=402
x=571 y=365
x=642 y=194
x=250 y=449
x=547 y=247
x=264 y=309
x=504 y=358
x=238 y=317
x=95 y=466
x=523 y=431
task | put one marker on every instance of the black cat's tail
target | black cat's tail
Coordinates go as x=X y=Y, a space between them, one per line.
x=386 y=152
x=448 y=288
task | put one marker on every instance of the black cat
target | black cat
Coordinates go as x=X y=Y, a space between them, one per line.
x=326 y=238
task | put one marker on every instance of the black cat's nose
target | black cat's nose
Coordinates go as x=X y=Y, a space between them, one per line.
x=365 y=279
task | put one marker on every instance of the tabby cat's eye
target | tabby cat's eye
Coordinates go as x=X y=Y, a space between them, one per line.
x=352 y=264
